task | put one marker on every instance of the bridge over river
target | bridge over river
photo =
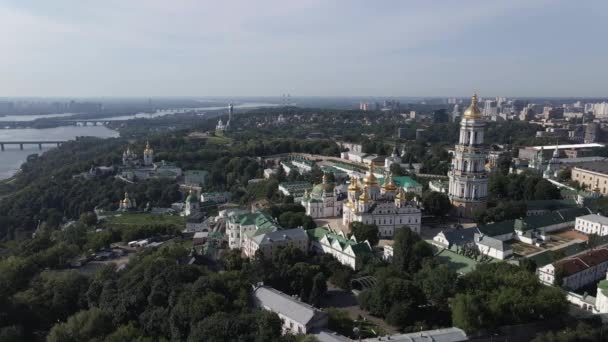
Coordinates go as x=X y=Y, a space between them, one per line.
x=32 y=142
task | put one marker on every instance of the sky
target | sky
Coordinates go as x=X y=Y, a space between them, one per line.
x=84 y=48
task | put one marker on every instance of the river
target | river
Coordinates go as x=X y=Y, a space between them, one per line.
x=13 y=118
x=12 y=158
x=164 y=112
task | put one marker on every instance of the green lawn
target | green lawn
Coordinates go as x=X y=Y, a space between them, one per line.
x=145 y=219
x=219 y=140
x=456 y=262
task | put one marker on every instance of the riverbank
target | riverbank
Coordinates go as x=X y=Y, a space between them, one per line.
x=13 y=157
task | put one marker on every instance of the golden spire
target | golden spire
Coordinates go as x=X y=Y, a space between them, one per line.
x=354 y=184
x=126 y=199
x=401 y=194
x=473 y=111
x=370 y=179
x=148 y=149
x=389 y=184
x=365 y=195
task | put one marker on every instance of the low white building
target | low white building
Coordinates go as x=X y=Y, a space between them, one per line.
x=347 y=251
x=576 y=271
x=438 y=186
x=295 y=189
x=196 y=177
x=267 y=242
x=443 y=335
x=601 y=298
x=237 y=226
x=592 y=224
x=217 y=197
x=298 y=317
x=269 y=173
x=492 y=247
x=387 y=253
x=353 y=156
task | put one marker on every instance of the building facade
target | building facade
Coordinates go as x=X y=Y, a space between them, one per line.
x=385 y=206
x=592 y=224
x=592 y=176
x=268 y=243
x=237 y=226
x=347 y=251
x=323 y=201
x=298 y=317
x=576 y=271
x=468 y=185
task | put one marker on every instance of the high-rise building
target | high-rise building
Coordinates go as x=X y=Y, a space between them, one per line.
x=456 y=113
x=402 y=133
x=592 y=132
x=468 y=186
x=490 y=108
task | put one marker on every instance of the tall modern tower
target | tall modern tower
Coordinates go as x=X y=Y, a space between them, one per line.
x=468 y=188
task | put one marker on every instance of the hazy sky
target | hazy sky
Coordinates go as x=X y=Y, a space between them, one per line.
x=303 y=47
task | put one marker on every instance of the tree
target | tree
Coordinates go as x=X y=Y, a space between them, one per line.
x=564 y=175
x=498 y=294
x=394 y=298
x=436 y=203
x=438 y=283
x=83 y=326
x=468 y=312
x=397 y=170
x=319 y=287
x=89 y=218
x=546 y=190
x=363 y=232
x=582 y=332
x=409 y=250
x=126 y=333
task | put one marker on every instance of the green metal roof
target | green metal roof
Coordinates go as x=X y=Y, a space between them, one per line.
x=402 y=181
x=497 y=228
x=358 y=247
x=550 y=204
x=603 y=286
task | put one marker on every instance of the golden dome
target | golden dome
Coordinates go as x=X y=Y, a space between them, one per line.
x=148 y=149
x=390 y=183
x=126 y=199
x=365 y=195
x=473 y=111
x=401 y=194
x=370 y=179
x=354 y=184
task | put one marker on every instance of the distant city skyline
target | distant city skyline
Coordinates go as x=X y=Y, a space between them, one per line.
x=189 y=48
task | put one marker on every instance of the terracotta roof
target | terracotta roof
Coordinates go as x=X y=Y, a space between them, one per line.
x=583 y=261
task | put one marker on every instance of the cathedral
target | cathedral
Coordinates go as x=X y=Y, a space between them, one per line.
x=130 y=159
x=192 y=204
x=221 y=126
x=127 y=204
x=148 y=155
x=323 y=201
x=385 y=206
x=468 y=186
